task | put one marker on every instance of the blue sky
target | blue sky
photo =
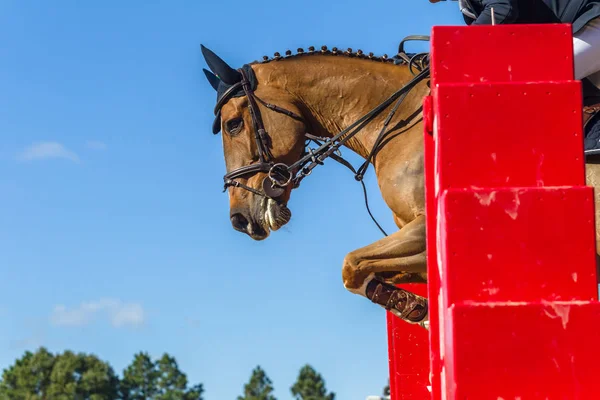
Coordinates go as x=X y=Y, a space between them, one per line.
x=115 y=233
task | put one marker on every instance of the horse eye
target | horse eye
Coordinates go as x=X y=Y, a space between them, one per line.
x=234 y=126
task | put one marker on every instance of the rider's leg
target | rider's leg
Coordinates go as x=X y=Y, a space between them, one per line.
x=586 y=51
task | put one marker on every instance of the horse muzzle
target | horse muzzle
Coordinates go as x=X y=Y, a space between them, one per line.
x=261 y=217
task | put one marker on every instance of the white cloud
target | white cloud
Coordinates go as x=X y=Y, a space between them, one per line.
x=128 y=314
x=95 y=145
x=118 y=313
x=47 y=150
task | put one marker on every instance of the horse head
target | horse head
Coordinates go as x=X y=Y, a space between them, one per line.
x=268 y=111
x=263 y=135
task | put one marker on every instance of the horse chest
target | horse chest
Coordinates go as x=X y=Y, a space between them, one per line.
x=403 y=190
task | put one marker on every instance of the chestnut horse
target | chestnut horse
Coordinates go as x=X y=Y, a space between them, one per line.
x=372 y=105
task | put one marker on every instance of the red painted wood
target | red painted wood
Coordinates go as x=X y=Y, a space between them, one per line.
x=524 y=351
x=408 y=355
x=518 y=244
x=519 y=134
x=507 y=206
x=507 y=117
x=433 y=276
x=475 y=55
x=508 y=53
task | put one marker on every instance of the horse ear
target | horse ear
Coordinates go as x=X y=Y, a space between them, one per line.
x=220 y=68
x=212 y=79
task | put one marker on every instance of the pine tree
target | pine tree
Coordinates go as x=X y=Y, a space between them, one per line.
x=29 y=377
x=139 y=379
x=161 y=380
x=172 y=383
x=82 y=376
x=42 y=375
x=259 y=387
x=310 y=385
x=45 y=376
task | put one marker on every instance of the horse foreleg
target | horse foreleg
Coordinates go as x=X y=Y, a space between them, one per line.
x=402 y=255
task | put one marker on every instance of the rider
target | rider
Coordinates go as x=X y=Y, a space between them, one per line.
x=582 y=14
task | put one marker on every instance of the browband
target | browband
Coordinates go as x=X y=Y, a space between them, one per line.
x=226 y=92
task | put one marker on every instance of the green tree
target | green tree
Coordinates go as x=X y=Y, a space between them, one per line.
x=29 y=377
x=82 y=376
x=42 y=375
x=310 y=385
x=146 y=379
x=139 y=378
x=172 y=383
x=69 y=376
x=259 y=387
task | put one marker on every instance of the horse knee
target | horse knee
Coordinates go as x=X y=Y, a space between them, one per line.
x=352 y=276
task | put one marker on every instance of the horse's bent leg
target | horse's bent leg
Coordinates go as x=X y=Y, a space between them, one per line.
x=402 y=253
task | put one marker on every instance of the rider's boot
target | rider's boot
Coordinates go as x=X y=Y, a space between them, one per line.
x=591 y=127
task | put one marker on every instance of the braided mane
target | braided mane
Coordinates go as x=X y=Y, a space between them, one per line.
x=398 y=59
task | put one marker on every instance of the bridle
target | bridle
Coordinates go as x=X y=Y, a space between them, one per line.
x=280 y=175
x=277 y=176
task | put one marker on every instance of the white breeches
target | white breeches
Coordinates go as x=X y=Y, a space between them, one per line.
x=586 y=51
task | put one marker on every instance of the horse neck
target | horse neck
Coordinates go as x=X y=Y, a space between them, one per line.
x=337 y=91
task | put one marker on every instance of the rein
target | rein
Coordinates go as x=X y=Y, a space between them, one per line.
x=280 y=175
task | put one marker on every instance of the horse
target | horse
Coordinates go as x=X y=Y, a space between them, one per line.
x=269 y=110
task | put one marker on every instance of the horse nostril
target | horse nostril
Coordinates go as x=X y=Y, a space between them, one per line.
x=239 y=222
